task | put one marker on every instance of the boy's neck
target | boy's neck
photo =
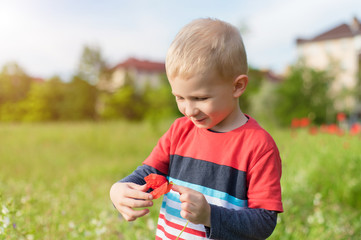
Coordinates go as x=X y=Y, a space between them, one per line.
x=239 y=120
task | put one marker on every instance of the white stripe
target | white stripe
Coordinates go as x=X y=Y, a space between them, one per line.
x=171 y=196
x=161 y=234
x=212 y=192
x=176 y=232
x=222 y=203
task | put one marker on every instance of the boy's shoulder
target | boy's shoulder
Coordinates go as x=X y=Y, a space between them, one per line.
x=257 y=135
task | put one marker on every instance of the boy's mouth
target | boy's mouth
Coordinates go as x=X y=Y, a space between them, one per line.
x=198 y=121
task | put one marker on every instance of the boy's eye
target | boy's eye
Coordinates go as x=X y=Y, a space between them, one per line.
x=178 y=98
x=200 y=98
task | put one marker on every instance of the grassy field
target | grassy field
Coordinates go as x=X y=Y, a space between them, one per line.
x=55 y=180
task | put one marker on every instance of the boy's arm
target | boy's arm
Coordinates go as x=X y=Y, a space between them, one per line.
x=241 y=224
x=139 y=174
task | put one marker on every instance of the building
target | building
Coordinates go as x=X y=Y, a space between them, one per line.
x=339 y=51
x=140 y=73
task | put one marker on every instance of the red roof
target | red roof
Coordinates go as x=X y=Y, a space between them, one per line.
x=273 y=77
x=37 y=79
x=142 y=65
x=340 y=31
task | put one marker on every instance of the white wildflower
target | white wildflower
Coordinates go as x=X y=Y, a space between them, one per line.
x=317 y=199
x=71 y=225
x=150 y=224
x=310 y=219
x=25 y=199
x=4 y=210
x=6 y=221
x=319 y=217
x=94 y=222
x=30 y=237
x=100 y=231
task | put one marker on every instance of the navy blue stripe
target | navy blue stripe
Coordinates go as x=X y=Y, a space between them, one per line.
x=211 y=175
x=139 y=174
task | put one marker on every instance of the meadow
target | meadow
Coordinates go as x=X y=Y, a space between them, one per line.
x=55 y=180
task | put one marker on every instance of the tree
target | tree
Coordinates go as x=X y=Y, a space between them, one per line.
x=36 y=106
x=125 y=103
x=304 y=93
x=263 y=103
x=160 y=103
x=55 y=97
x=91 y=66
x=255 y=79
x=14 y=88
x=80 y=100
x=14 y=83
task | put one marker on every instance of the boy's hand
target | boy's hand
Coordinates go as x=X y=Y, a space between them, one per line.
x=127 y=196
x=195 y=207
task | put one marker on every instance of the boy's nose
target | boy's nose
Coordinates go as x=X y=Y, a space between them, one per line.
x=191 y=111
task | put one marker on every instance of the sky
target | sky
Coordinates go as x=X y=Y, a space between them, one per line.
x=46 y=37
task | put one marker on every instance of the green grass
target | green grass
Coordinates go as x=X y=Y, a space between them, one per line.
x=55 y=180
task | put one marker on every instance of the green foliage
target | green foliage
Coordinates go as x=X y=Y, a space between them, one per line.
x=125 y=103
x=80 y=100
x=33 y=108
x=255 y=80
x=160 y=104
x=25 y=100
x=36 y=105
x=14 y=83
x=149 y=103
x=91 y=64
x=263 y=102
x=304 y=93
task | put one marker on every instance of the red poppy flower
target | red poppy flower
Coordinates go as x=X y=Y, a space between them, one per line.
x=313 y=130
x=304 y=122
x=355 y=129
x=341 y=117
x=295 y=123
x=159 y=184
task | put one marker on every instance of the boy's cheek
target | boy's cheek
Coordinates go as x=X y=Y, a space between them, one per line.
x=181 y=110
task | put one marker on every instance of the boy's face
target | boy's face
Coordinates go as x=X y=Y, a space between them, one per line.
x=208 y=101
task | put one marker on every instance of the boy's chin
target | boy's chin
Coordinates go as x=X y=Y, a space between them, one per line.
x=203 y=126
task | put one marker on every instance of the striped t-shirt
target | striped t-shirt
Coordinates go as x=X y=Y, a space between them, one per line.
x=235 y=170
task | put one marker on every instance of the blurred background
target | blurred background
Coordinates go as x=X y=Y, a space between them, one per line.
x=91 y=61
x=84 y=98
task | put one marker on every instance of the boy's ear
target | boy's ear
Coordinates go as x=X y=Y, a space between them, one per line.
x=239 y=85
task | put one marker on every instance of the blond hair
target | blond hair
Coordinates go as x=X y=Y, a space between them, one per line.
x=205 y=45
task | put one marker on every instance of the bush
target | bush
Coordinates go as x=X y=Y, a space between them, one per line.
x=125 y=103
x=304 y=93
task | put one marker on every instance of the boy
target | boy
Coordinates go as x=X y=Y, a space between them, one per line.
x=225 y=167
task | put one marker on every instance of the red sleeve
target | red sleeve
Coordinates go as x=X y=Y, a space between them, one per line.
x=264 y=188
x=159 y=157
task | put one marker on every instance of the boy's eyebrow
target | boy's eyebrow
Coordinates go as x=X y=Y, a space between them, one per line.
x=192 y=96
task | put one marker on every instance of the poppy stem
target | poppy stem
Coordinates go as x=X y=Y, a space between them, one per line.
x=182 y=230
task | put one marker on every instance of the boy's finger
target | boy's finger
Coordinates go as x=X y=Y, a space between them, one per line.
x=134 y=203
x=180 y=189
x=143 y=188
x=130 y=214
x=136 y=194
